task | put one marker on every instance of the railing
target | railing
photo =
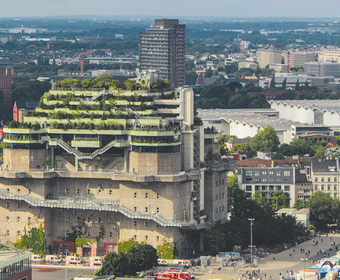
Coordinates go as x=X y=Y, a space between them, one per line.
x=81 y=155
x=93 y=203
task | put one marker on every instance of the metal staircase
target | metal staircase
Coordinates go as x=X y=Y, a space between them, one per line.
x=92 y=203
x=81 y=155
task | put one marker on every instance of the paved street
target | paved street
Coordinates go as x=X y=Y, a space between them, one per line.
x=273 y=265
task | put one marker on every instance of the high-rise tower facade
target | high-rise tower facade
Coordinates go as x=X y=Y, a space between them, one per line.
x=162 y=48
x=6 y=72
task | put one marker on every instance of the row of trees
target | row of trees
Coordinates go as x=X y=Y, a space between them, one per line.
x=223 y=96
x=267 y=140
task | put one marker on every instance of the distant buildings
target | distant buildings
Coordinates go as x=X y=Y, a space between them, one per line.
x=322 y=69
x=266 y=57
x=162 y=48
x=298 y=59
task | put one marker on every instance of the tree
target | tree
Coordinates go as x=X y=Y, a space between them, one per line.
x=166 y=250
x=208 y=73
x=279 y=200
x=297 y=85
x=272 y=82
x=299 y=204
x=265 y=140
x=138 y=257
x=243 y=149
x=321 y=210
x=36 y=241
x=114 y=264
x=284 y=83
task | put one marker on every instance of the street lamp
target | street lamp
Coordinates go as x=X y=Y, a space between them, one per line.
x=251 y=240
x=304 y=271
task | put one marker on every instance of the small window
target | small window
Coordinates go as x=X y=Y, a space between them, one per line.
x=88 y=191
x=287 y=188
x=315 y=179
x=29 y=191
x=286 y=173
x=135 y=237
x=135 y=195
x=19 y=205
x=110 y=191
x=146 y=237
x=135 y=208
x=111 y=234
x=78 y=219
x=88 y=234
x=99 y=220
x=146 y=224
x=88 y=219
x=99 y=191
x=157 y=209
x=77 y=191
x=18 y=190
x=135 y=223
x=146 y=195
x=322 y=179
x=7 y=190
x=146 y=209
x=18 y=233
x=157 y=238
x=158 y=195
x=66 y=191
x=7 y=232
x=329 y=179
x=7 y=219
x=18 y=219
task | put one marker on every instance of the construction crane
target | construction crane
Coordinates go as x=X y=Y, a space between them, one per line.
x=81 y=55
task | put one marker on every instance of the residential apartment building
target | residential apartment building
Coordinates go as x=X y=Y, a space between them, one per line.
x=266 y=181
x=116 y=165
x=6 y=72
x=162 y=48
x=325 y=176
x=298 y=59
x=266 y=57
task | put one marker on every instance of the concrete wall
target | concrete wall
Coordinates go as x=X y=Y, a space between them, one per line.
x=155 y=163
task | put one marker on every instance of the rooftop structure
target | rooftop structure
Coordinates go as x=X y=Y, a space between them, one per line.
x=266 y=57
x=321 y=112
x=14 y=263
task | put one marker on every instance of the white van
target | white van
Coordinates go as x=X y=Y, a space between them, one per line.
x=73 y=260
x=53 y=259
x=96 y=261
x=37 y=258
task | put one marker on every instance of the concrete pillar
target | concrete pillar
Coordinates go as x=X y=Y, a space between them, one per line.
x=52 y=157
x=126 y=159
x=76 y=164
x=101 y=163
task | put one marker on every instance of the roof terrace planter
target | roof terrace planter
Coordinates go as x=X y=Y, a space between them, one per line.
x=85 y=144
x=23 y=130
x=153 y=133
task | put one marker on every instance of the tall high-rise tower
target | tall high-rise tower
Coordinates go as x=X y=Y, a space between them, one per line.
x=162 y=48
x=6 y=72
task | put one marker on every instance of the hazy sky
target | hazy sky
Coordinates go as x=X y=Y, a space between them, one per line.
x=224 y=8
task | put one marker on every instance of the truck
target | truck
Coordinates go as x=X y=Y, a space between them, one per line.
x=37 y=258
x=73 y=260
x=53 y=259
x=96 y=261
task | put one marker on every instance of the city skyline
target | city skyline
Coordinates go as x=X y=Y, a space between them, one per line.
x=176 y=8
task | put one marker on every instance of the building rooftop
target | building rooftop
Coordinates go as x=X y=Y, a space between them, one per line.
x=253 y=117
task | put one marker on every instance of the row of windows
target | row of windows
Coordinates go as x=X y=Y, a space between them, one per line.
x=219 y=195
x=219 y=183
x=322 y=179
x=146 y=195
x=18 y=233
x=329 y=187
x=19 y=219
x=146 y=238
x=277 y=173
x=266 y=188
x=219 y=209
x=146 y=209
x=88 y=191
